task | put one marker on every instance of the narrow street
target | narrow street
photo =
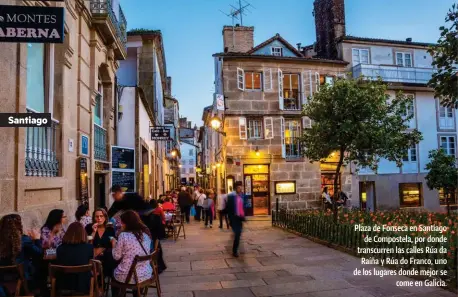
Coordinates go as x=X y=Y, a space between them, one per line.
x=272 y=263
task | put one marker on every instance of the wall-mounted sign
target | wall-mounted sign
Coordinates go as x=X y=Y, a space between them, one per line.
x=160 y=133
x=84 y=145
x=71 y=145
x=84 y=187
x=124 y=179
x=254 y=169
x=31 y=24
x=285 y=187
x=219 y=102
x=122 y=158
x=102 y=166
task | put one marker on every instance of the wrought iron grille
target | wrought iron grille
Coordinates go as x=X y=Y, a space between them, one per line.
x=293 y=147
x=40 y=151
x=100 y=143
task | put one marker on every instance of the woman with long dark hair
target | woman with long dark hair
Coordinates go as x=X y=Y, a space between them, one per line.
x=16 y=247
x=53 y=231
x=102 y=234
x=134 y=240
x=82 y=215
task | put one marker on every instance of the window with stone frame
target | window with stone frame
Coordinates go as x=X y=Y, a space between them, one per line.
x=253 y=80
x=291 y=92
x=292 y=138
x=446 y=117
x=447 y=143
x=255 y=128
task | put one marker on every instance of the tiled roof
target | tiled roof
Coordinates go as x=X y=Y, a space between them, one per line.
x=355 y=38
x=279 y=38
x=302 y=59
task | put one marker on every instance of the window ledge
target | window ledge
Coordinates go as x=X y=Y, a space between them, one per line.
x=298 y=159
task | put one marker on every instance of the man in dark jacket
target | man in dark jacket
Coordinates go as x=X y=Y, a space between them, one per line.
x=185 y=202
x=236 y=213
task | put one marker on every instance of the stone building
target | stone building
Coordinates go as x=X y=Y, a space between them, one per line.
x=405 y=65
x=264 y=87
x=74 y=81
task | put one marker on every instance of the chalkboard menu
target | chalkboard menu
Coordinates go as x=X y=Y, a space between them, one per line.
x=84 y=188
x=124 y=179
x=122 y=158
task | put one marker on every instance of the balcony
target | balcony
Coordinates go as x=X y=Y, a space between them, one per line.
x=41 y=151
x=100 y=143
x=112 y=24
x=394 y=73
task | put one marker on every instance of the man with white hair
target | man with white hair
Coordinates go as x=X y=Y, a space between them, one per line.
x=185 y=202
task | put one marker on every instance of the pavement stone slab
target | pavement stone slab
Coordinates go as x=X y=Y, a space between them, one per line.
x=235 y=292
x=242 y=283
x=191 y=287
x=299 y=287
x=197 y=279
x=288 y=279
x=209 y=264
x=243 y=262
x=257 y=275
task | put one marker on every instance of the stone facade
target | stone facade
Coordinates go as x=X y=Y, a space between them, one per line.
x=238 y=38
x=265 y=103
x=77 y=71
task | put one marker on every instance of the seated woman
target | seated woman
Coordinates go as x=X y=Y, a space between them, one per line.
x=134 y=240
x=82 y=215
x=167 y=205
x=157 y=210
x=75 y=251
x=102 y=235
x=53 y=231
x=17 y=248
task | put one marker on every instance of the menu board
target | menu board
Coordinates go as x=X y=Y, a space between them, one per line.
x=285 y=187
x=84 y=188
x=124 y=179
x=122 y=158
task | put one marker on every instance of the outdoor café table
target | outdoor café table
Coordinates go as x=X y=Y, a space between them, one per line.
x=53 y=257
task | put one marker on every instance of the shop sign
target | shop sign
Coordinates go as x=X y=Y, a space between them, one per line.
x=31 y=24
x=255 y=169
x=102 y=166
x=160 y=133
x=219 y=102
x=84 y=188
x=122 y=158
x=85 y=145
x=285 y=187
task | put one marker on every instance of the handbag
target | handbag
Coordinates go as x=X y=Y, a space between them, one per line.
x=193 y=211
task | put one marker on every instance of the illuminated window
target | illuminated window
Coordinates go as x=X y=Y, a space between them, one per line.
x=291 y=92
x=252 y=81
x=442 y=198
x=410 y=194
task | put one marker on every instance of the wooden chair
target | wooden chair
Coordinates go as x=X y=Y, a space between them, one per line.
x=176 y=225
x=19 y=282
x=142 y=288
x=101 y=286
x=55 y=270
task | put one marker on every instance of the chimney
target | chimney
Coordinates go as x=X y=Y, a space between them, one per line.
x=299 y=46
x=238 y=39
x=409 y=39
x=329 y=26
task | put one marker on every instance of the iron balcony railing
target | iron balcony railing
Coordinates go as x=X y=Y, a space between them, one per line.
x=293 y=147
x=41 y=150
x=100 y=143
x=119 y=21
x=394 y=73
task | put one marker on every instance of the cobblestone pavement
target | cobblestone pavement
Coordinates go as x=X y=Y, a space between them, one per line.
x=272 y=263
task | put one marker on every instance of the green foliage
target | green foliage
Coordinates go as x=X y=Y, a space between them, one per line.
x=442 y=171
x=445 y=59
x=357 y=117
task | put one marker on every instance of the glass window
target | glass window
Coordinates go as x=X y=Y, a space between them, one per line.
x=191 y=162
x=291 y=92
x=252 y=80
x=411 y=154
x=277 y=51
x=446 y=117
x=404 y=59
x=255 y=128
x=191 y=170
x=447 y=143
x=360 y=56
x=191 y=152
x=35 y=84
x=292 y=137
x=98 y=105
x=442 y=198
x=410 y=194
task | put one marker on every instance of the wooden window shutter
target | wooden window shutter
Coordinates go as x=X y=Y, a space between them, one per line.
x=267 y=79
x=240 y=79
x=268 y=128
x=280 y=89
x=282 y=132
x=242 y=128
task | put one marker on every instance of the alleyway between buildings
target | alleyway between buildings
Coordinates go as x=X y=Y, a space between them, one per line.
x=272 y=263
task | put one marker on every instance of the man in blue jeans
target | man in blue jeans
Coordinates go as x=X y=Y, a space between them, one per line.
x=236 y=213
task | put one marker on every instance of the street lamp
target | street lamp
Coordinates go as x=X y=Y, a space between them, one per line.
x=174 y=152
x=216 y=124
x=257 y=152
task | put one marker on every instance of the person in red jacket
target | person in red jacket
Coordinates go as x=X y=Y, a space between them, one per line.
x=167 y=205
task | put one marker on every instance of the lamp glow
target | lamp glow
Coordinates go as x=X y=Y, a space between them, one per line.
x=215 y=123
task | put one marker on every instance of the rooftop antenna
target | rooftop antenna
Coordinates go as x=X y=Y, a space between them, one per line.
x=237 y=12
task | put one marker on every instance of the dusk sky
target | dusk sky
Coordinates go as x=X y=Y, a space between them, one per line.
x=192 y=32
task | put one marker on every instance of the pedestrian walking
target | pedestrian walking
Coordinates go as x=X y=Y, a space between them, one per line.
x=236 y=213
x=209 y=207
x=199 y=207
x=221 y=206
x=185 y=202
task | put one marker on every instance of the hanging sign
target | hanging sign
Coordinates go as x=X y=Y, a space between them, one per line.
x=219 y=102
x=84 y=188
x=160 y=133
x=31 y=24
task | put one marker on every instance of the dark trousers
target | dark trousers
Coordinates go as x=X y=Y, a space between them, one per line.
x=237 y=225
x=222 y=214
x=198 y=212
x=208 y=215
x=186 y=211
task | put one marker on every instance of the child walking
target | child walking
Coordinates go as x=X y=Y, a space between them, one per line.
x=209 y=207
